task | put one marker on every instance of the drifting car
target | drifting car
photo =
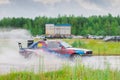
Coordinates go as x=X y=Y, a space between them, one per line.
x=52 y=46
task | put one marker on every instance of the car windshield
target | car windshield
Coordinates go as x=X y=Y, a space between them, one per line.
x=66 y=45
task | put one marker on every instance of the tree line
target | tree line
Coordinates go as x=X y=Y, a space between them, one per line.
x=94 y=25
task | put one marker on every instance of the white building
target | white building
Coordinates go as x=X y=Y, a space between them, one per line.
x=61 y=29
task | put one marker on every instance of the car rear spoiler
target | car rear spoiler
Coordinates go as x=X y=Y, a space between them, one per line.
x=20 y=45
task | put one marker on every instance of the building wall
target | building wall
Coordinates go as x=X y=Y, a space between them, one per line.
x=66 y=30
x=63 y=30
x=51 y=29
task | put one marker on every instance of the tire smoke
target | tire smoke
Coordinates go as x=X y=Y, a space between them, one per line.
x=10 y=59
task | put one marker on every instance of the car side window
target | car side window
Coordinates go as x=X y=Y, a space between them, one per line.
x=53 y=44
x=33 y=46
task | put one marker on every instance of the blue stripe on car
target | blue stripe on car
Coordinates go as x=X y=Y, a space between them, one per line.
x=79 y=52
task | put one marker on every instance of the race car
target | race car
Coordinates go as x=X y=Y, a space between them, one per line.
x=52 y=46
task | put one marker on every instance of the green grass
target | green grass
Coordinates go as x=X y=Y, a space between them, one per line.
x=66 y=73
x=99 y=47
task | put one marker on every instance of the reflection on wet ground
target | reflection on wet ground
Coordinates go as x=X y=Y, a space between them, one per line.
x=18 y=63
x=102 y=62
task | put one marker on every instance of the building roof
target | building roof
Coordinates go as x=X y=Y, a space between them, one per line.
x=67 y=25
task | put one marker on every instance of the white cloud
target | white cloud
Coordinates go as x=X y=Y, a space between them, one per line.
x=49 y=1
x=84 y=3
x=88 y=5
x=55 y=7
x=4 y=1
x=99 y=4
x=115 y=3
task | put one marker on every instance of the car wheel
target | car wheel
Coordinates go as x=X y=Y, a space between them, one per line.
x=75 y=57
x=28 y=55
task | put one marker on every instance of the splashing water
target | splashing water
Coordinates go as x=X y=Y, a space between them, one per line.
x=14 y=34
x=10 y=59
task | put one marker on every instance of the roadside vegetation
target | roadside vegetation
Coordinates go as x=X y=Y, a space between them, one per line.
x=94 y=25
x=66 y=73
x=99 y=47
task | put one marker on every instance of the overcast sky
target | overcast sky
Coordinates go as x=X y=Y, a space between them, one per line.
x=51 y=8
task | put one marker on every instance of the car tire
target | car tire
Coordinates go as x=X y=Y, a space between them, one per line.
x=28 y=55
x=75 y=57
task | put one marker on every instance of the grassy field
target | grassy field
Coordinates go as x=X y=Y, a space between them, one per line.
x=99 y=47
x=66 y=73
